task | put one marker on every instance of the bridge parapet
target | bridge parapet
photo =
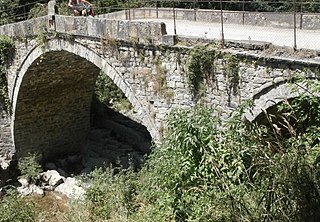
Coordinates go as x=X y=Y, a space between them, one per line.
x=142 y=32
x=24 y=29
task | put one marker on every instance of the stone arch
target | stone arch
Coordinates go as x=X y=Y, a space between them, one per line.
x=61 y=47
x=270 y=94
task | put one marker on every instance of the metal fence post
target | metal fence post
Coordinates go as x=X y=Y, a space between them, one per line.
x=129 y=5
x=194 y=11
x=157 y=9
x=174 y=18
x=242 y=12
x=221 y=18
x=294 y=26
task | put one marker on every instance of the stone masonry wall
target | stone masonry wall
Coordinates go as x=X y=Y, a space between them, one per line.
x=144 y=32
x=6 y=145
x=158 y=76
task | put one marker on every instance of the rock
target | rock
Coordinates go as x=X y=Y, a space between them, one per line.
x=30 y=189
x=62 y=172
x=52 y=178
x=50 y=166
x=71 y=189
x=62 y=163
x=74 y=159
x=23 y=181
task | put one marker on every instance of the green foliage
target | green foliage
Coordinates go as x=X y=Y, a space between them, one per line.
x=6 y=52
x=15 y=208
x=232 y=73
x=239 y=174
x=174 y=179
x=110 y=195
x=160 y=80
x=42 y=36
x=109 y=94
x=38 y=10
x=201 y=65
x=30 y=167
x=7 y=11
x=245 y=172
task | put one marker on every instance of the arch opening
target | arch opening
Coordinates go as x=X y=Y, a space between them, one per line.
x=51 y=113
x=55 y=117
x=292 y=117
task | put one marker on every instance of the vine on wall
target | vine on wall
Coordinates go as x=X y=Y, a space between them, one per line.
x=6 y=52
x=232 y=73
x=109 y=94
x=201 y=66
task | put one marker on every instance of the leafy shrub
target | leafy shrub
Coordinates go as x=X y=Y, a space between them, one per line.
x=30 y=167
x=245 y=172
x=242 y=173
x=15 y=208
x=6 y=52
x=109 y=94
x=201 y=66
x=110 y=195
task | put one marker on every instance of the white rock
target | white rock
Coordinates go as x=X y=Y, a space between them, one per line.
x=30 y=189
x=23 y=181
x=52 y=178
x=71 y=189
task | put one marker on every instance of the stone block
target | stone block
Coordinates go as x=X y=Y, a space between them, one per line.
x=169 y=40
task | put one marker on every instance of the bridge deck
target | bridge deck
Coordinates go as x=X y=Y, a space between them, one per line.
x=307 y=39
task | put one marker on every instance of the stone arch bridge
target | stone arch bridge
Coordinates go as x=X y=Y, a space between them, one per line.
x=52 y=75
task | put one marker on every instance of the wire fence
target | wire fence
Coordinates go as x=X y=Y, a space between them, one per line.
x=14 y=13
x=285 y=23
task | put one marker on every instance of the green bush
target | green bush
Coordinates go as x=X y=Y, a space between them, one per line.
x=245 y=172
x=201 y=66
x=110 y=94
x=30 y=167
x=242 y=173
x=6 y=52
x=111 y=195
x=15 y=208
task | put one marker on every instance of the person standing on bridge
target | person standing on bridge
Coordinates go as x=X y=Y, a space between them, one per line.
x=78 y=5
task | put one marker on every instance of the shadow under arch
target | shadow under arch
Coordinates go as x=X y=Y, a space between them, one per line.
x=272 y=94
x=47 y=79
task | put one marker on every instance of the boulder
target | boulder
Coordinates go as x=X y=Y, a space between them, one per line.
x=50 y=166
x=71 y=188
x=52 y=178
x=30 y=189
x=23 y=181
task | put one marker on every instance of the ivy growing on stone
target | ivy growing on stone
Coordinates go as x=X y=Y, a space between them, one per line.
x=6 y=52
x=42 y=37
x=109 y=94
x=201 y=66
x=232 y=73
